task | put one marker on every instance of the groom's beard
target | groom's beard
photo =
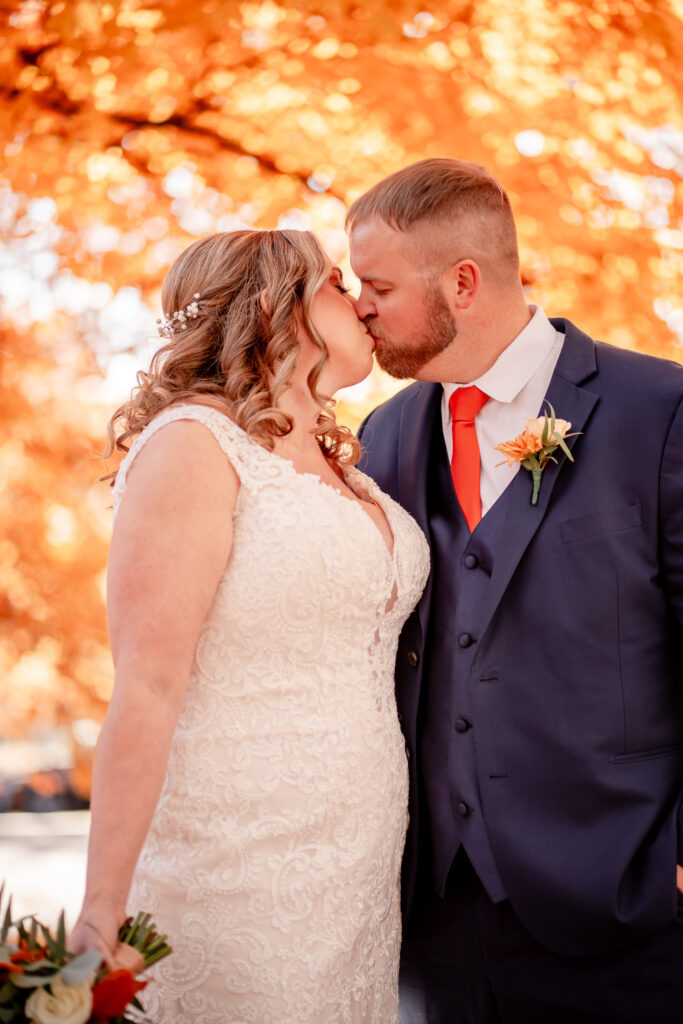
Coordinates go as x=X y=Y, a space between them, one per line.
x=403 y=360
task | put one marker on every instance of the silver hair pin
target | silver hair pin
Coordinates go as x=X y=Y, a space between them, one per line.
x=168 y=325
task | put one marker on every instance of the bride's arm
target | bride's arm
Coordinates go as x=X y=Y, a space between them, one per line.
x=171 y=542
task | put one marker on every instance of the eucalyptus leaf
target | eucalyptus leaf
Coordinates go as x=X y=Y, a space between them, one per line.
x=39 y=965
x=32 y=980
x=80 y=969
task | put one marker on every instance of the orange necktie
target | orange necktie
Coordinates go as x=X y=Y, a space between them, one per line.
x=465 y=403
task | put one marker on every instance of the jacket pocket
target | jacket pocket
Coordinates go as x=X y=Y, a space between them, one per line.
x=612 y=520
x=649 y=755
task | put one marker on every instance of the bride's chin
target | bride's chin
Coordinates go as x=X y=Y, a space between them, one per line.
x=350 y=383
x=362 y=374
x=351 y=379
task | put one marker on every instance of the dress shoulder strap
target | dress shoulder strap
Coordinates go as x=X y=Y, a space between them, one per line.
x=253 y=463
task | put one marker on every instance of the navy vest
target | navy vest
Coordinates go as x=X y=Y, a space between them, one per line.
x=461 y=564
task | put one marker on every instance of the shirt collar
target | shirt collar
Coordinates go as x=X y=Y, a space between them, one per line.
x=517 y=364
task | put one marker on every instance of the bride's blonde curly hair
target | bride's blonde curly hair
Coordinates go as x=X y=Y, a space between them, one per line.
x=239 y=351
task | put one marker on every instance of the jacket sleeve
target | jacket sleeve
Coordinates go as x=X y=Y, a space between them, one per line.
x=363 y=426
x=671 y=516
x=365 y=436
x=671 y=544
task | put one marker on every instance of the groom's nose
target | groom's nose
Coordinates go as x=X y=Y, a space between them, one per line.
x=364 y=305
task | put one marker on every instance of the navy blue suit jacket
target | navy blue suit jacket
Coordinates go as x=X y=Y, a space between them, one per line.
x=577 y=681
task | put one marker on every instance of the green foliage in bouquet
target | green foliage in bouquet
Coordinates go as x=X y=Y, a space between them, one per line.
x=41 y=981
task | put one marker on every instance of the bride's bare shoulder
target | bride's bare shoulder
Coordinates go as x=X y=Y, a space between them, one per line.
x=182 y=456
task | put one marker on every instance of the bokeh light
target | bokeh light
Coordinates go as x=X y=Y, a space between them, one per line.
x=131 y=129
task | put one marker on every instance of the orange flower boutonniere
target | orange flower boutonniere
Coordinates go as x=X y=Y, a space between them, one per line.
x=535 y=447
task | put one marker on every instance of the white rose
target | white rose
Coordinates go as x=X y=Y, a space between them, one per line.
x=535 y=426
x=65 y=1004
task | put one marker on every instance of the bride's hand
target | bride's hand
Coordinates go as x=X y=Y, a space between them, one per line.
x=97 y=928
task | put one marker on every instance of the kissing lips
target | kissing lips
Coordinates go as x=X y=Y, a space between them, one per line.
x=372 y=338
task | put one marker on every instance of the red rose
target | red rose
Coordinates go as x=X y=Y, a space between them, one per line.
x=113 y=993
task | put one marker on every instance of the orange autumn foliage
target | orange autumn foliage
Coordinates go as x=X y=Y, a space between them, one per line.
x=130 y=128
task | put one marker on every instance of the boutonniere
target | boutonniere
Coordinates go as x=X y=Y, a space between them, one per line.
x=535 y=447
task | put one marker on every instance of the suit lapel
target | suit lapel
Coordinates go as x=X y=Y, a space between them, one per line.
x=414 y=439
x=571 y=402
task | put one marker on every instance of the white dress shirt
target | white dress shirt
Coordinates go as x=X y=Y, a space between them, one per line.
x=516 y=384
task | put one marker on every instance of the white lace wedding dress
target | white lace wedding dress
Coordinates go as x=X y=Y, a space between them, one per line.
x=273 y=857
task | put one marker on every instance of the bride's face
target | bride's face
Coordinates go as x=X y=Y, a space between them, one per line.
x=349 y=343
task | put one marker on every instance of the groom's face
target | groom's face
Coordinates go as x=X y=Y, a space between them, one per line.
x=404 y=310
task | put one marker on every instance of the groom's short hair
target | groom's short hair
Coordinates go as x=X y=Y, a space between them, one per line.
x=442 y=191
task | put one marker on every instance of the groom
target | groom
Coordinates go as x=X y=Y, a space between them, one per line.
x=539 y=681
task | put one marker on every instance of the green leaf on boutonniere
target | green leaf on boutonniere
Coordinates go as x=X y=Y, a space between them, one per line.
x=535 y=447
x=563 y=445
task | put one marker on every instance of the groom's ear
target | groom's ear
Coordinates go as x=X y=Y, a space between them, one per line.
x=461 y=283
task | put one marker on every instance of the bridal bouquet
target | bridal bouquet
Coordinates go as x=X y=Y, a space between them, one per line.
x=41 y=981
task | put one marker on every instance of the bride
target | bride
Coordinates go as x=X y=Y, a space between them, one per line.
x=250 y=787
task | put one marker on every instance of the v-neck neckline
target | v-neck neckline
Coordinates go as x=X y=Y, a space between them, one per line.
x=307 y=474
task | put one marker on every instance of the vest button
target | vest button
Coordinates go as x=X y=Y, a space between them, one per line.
x=464 y=640
x=462 y=809
x=413 y=659
x=461 y=725
x=471 y=561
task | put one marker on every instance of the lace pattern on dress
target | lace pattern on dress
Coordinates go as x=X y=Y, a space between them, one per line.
x=252 y=462
x=273 y=858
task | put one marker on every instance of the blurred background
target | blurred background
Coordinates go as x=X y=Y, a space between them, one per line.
x=130 y=128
